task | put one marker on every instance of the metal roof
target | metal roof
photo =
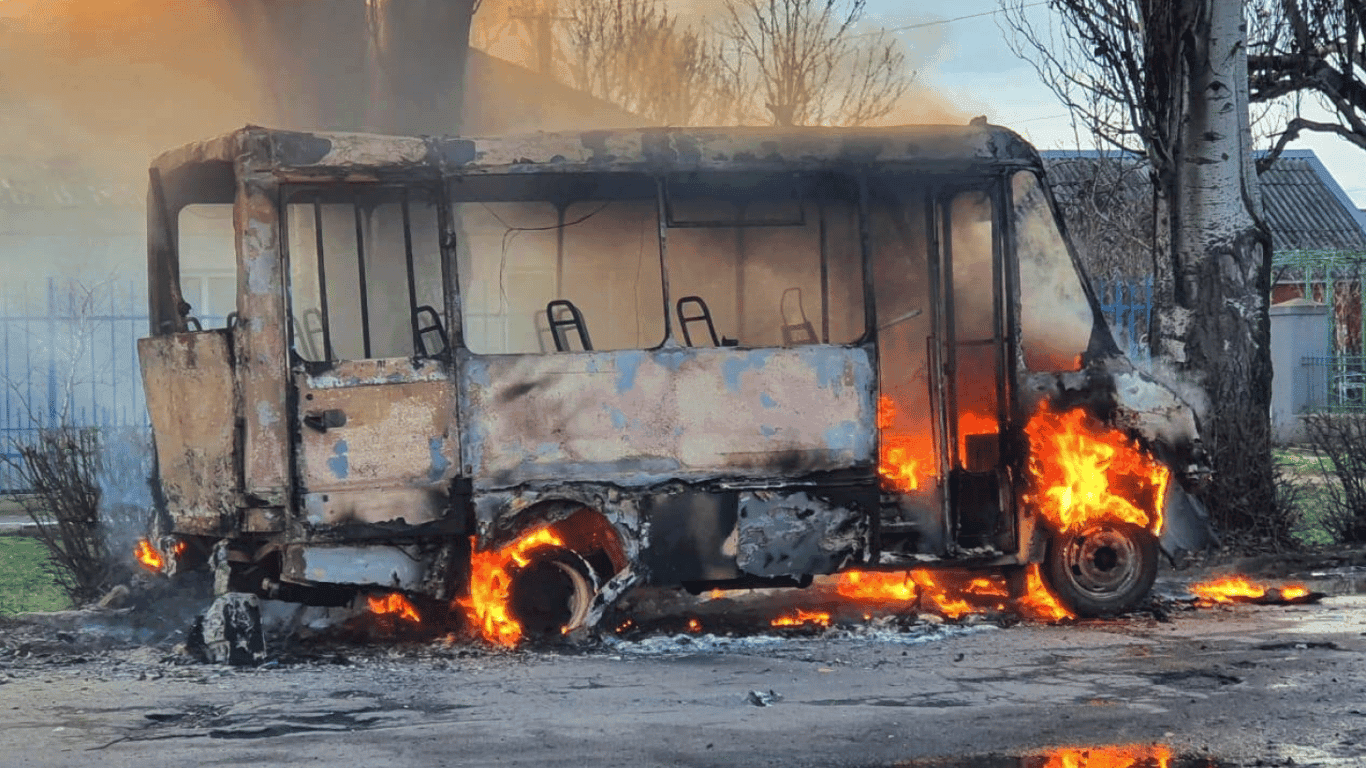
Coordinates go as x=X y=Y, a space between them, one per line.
x=1305 y=208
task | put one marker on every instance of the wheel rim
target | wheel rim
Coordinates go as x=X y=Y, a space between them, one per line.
x=1102 y=562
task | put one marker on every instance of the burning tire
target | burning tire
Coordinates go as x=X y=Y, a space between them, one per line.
x=553 y=592
x=1104 y=569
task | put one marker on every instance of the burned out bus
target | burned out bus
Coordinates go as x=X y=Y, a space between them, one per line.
x=700 y=358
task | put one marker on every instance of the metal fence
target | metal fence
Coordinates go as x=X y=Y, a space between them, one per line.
x=1127 y=307
x=68 y=357
x=1336 y=383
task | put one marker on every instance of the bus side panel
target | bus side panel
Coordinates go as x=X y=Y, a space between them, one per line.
x=376 y=443
x=639 y=417
x=188 y=379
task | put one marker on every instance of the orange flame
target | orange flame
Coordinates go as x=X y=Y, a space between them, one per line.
x=952 y=593
x=1226 y=589
x=903 y=460
x=394 y=603
x=1038 y=603
x=877 y=586
x=819 y=618
x=694 y=625
x=1293 y=592
x=148 y=555
x=947 y=601
x=1126 y=756
x=486 y=606
x=1079 y=466
x=1231 y=589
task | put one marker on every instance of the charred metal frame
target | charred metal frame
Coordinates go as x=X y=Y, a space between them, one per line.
x=479 y=480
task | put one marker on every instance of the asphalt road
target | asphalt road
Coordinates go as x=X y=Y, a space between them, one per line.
x=1242 y=685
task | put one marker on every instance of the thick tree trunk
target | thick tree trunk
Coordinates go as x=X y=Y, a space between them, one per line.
x=1216 y=329
x=391 y=66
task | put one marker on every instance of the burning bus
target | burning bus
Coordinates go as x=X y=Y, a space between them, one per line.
x=523 y=375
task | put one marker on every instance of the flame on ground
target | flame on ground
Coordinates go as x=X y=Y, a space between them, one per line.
x=1124 y=756
x=953 y=594
x=1081 y=469
x=486 y=607
x=1232 y=589
x=148 y=555
x=1038 y=602
x=394 y=603
x=801 y=618
x=877 y=586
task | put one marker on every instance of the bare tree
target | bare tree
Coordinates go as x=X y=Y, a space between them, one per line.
x=794 y=62
x=637 y=54
x=1315 y=49
x=1106 y=201
x=1166 y=79
x=810 y=62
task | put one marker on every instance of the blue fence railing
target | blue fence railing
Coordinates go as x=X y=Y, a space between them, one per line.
x=1127 y=307
x=68 y=357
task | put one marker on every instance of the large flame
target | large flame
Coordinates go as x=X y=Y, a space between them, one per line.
x=486 y=607
x=1082 y=469
x=905 y=461
x=1125 y=756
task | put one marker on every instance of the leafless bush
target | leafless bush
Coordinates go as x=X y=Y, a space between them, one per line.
x=1339 y=443
x=59 y=466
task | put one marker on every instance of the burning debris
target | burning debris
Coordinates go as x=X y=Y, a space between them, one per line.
x=1238 y=589
x=803 y=618
x=954 y=594
x=1124 y=756
x=148 y=556
x=394 y=604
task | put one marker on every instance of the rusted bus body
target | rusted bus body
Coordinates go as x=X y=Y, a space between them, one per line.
x=690 y=350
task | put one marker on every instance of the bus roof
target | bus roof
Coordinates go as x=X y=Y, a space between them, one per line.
x=292 y=155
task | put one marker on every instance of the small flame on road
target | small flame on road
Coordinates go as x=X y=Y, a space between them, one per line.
x=396 y=604
x=1123 y=756
x=1235 y=589
x=803 y=618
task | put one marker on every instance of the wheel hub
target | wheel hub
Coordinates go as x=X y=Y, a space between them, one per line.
x=1102 y=560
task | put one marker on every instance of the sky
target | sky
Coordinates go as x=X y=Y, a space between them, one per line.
x=970 y=62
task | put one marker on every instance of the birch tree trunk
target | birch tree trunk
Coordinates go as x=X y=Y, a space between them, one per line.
x=1213 y=325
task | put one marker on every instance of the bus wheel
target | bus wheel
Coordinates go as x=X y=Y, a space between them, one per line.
x=1104 y=569
x=553 y=592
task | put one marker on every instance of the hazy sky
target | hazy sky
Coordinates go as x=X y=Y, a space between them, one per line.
x=972 y=65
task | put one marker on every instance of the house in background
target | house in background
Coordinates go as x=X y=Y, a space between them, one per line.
x=1319 y=244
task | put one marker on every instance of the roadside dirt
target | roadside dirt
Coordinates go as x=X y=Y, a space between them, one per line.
x=1226 y=686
